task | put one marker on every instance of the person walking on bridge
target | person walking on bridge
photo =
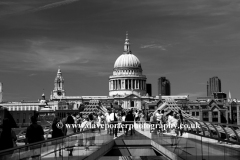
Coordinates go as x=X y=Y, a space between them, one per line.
x=114 y=122
x=130 y=122
x=7 y=138
x=159 y=117
x=57 y=132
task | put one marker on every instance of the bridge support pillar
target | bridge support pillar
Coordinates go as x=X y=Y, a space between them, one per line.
x=238 y=115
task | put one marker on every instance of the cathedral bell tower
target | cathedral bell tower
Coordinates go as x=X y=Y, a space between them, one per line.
x=58 y=92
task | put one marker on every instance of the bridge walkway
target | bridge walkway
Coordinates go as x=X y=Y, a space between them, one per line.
x=190 y=146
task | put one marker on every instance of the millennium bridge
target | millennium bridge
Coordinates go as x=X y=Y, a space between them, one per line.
x=209 y=141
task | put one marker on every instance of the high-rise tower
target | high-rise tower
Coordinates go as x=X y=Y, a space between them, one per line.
x=164 y=87
x=213 y=85
x=149 y=89
x=1 y=93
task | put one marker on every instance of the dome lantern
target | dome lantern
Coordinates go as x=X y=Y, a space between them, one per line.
x=127 y=45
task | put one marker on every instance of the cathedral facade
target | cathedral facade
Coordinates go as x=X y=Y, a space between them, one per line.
x=127 y=85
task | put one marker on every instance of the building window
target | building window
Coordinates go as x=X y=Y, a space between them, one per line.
x=193 y=113
x=197 y=113
x=214 y=116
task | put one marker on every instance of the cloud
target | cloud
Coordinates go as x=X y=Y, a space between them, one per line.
x=9 y=8
x=193 y=95
x=33 y=74
x=53 y=5
x=45 y=54
x=153 y=46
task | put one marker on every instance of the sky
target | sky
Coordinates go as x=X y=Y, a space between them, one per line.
x=186 y=41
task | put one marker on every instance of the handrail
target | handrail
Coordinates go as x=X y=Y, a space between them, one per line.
x=219 y=128
x=41 y=142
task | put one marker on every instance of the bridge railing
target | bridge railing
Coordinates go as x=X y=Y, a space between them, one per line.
x=228 y=133
x=47 y=148
x=195 y=147
x=222 y=132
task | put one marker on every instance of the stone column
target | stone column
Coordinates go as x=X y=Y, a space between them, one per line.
x=219 y=116
x=140 y=84
x=209 y=116
x=109 y=85
x=238 y=115
x=117 y=84
x=120 y=84
x=128 y=84
x=131 y=83
x=135 y=86
x=114 y=85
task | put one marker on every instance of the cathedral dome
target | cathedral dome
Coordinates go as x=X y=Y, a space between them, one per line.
x=127 y=61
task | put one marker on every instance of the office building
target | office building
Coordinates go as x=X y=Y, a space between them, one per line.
x=149 y=89
x=164 y=87
x=1 y=93
x=213 y=85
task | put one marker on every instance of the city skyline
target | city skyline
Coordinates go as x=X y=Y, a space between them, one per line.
x=186 y=41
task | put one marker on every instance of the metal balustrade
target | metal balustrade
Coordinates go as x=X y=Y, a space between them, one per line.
x=231 y=133
x=48 y=147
